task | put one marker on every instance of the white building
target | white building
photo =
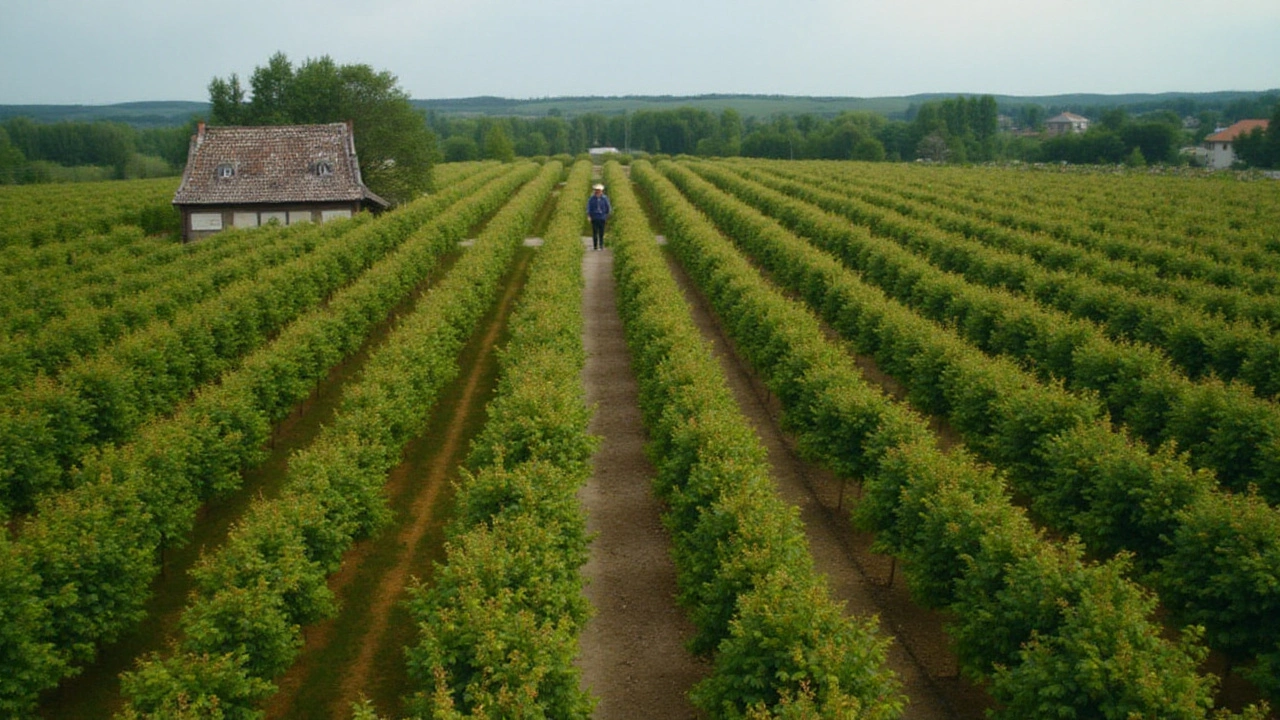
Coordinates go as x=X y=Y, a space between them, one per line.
x=1221 y=154
x=1066 y=123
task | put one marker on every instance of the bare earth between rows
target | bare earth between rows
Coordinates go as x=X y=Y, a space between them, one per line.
x=633 y=658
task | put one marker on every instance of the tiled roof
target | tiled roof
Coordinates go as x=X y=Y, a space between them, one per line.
x=272 y=164
x=1067 y=117
x=1244 y=127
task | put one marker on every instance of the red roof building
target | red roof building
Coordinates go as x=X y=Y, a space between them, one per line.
x=250 y=176
x=1219 y=145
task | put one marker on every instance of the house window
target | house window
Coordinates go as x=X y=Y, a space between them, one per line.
x=280 y=217
x=323 y=168
x=224 y=171
x=204 y=222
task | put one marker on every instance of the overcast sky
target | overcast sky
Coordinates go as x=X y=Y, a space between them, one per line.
x=108 y=51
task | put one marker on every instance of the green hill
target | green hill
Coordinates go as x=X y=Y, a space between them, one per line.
x=767 y=105
x=138 y=114
x=168 y=113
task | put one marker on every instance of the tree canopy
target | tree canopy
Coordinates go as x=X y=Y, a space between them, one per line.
x=1117 y=138
x=395 y=146
x=1261 y=148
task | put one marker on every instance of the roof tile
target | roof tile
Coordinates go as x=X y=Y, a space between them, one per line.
x=272 y=164
x=1244 y=127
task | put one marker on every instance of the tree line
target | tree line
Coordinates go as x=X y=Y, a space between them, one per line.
x=397 y=144
x=1261 y=148
x=957 y=130
x=33 y=152
x=966 y=126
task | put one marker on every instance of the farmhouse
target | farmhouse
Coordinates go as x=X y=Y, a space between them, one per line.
x=1066 y=123
x=250 y=176
x=1221 y=154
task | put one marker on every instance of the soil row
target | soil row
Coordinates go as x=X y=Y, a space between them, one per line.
x=632 y=653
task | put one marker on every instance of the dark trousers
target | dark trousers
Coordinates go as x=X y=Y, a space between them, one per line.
x=597 y=233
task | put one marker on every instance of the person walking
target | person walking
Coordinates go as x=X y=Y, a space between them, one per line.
x=598 y=210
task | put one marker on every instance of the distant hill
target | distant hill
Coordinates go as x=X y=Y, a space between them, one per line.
x=767 y=105
x=747 y=105
x=168 y=113
x=139 y=114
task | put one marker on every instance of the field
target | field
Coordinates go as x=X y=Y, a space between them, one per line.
x=807 y=440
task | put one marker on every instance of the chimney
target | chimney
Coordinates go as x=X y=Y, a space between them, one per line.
x=199 y=132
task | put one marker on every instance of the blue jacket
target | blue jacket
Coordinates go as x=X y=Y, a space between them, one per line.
x=598 y=206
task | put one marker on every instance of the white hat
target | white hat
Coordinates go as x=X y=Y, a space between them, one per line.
x=597 y=186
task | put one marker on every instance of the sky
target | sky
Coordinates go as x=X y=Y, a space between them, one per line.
x=108 y=51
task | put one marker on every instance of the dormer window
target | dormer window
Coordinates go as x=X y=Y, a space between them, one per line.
x=322 y=168
x=224 y=171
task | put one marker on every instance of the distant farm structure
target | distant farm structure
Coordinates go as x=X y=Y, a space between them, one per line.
x=1066 y=123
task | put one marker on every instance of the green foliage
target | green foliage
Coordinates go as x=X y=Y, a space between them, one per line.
x=938 y=511
x=395 y=147
x=1117 y=497
x=737 y=541
x=250 y=621
x=497 y=146
x=12 y=161
x=781 y=647
x=962 y=543
x=959 y=129
x=500 y=621
x=93 y=552
x=1137 y=383
x=83 y=151
x=105 y=144
x=1105 y=659
x=31 y=662
x=1036 y=621
x=731 y=533
x=95 y=546
x=536 y=416
x=495 y=620
x=1117 y=139
x=104 y=398
x=1221 y=573
x=191 y=687
x=1261 y=148
x=37 y=220
x=460 y=149
x=269 y=578
x=269 y=547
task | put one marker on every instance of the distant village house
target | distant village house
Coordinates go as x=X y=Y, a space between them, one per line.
x=1066 y=123
x=244 y=177
x=1218 y=146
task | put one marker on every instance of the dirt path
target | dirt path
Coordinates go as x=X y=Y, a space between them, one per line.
x=861 y=579
x=632 y=650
